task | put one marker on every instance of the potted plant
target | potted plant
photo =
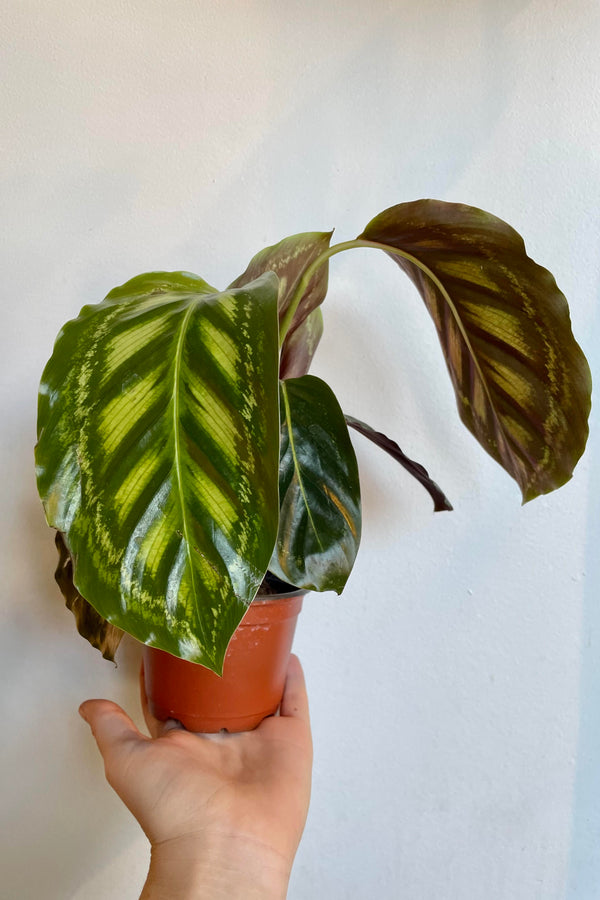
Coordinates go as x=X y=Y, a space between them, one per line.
x=186 y=457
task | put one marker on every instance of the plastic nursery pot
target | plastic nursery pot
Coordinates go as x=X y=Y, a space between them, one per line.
x=253 y=675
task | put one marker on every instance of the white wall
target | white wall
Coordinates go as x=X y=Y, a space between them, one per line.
x=455 y=686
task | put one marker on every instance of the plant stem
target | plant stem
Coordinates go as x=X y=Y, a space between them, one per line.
x=339 y=248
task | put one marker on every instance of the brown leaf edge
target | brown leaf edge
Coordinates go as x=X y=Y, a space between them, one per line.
x=90 y=625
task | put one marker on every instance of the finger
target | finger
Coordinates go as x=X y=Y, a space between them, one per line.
x=295 y=700
x=111 y=726
x=155 y=726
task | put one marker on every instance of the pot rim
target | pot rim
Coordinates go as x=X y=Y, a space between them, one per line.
x=284 y=595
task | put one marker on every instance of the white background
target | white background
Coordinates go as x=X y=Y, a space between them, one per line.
x=455 y=687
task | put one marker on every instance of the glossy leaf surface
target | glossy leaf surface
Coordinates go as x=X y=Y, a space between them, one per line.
x=521 y=381
x=440 y=501
x=288 y=259
x=320 y=521
x=157 y=456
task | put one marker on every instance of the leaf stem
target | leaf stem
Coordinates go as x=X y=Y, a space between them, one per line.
x=394 y=251
x=339 y=248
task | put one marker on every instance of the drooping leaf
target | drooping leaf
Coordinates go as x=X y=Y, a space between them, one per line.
x=157 y=456
x=299 y=347
x=521 y=381
x=440 y=501
x=289 y=259
x=90 y=625
x=320 y=521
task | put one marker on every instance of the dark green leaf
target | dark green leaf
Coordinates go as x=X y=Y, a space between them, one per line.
x=288 y=259
x=521 y=381
x=157 y=456
x=440 y=501
x=319 y=527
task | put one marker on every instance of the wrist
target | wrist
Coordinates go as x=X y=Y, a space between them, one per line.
x=227 y=867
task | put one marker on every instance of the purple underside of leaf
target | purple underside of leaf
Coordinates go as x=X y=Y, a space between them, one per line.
x=440 y=501
x=289 y=260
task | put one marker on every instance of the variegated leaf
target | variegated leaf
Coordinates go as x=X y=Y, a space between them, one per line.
x=320 y=521
x=157 y=456
x=521 y=381
x=289 y=259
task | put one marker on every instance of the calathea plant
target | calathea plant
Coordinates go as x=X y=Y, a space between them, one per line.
x=183 y=450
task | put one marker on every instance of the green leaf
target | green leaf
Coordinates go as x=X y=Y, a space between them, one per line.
x=521 y=381
x=157 y=456
x=289 y=259
x=440 y=501
x=319 y=527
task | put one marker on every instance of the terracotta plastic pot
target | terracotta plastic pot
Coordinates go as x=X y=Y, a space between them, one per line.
x=253 y=676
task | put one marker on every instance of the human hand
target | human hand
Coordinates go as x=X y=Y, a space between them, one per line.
x=224 y=813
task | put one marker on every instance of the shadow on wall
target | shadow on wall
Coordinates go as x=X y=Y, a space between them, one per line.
x=584 y=862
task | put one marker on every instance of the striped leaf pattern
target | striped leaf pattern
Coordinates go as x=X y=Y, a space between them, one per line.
x=320 y=519
x=157 y=456
x=521 y=381
x=288 y=259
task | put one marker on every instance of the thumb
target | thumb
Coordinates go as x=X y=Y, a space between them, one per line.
x=112 y=728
